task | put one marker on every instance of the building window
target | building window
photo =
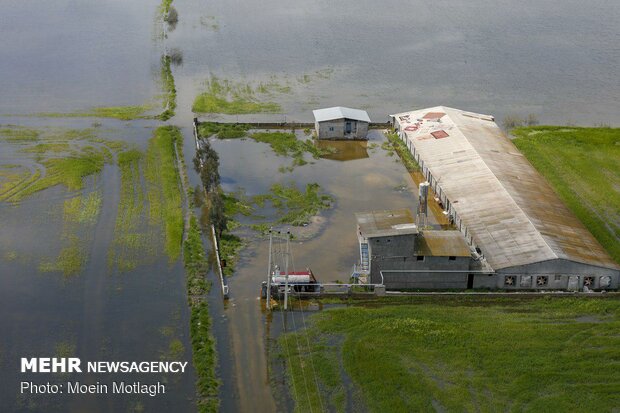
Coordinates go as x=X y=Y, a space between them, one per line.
x=419 y=257
x=331 y=128
x=452 y=258
x=558 y=277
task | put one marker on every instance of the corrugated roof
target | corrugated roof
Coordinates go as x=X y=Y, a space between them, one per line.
x=386 y=223
x=442 y=244
x=509 y=209
x=340 y=112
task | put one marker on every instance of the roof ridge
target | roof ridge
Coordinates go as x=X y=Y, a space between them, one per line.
x=539 y=234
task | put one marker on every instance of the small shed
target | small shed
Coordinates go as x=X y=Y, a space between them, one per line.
x=341 y=123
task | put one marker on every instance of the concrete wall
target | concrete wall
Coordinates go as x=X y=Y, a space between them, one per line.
x=396 y=253
x=560 y=275
x=359 y=129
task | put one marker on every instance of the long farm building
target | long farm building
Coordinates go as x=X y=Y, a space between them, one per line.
x=508 y=214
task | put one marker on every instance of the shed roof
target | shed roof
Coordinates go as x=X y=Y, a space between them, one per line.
x=508 y=208
x=442 y=244
x=386 y=223
x=340 y=112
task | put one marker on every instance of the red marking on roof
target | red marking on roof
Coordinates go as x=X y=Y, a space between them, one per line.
x=298 y=273
x=440 y=134
x=411 y=128
x=434 y=115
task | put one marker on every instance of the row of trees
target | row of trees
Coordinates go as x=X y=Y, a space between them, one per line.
x=207 y=164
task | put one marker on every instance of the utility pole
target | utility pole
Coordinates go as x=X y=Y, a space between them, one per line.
x=269 y=272
x=288 y=233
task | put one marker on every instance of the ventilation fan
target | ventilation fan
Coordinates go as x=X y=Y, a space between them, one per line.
x=541 y=280
x=509 y=280
x=588 y=281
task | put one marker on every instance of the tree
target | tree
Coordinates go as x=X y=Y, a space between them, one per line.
x=217 y=215
x=207 y=163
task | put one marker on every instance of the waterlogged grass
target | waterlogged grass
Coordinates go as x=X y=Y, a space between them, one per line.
x=230 y=246
x=227 y=97
x=583 y=167
x=150 y=207
x=163 y=186
x=459 y=354
x=71 y=259
x=18 y=134
x=130 y=243
x=203 y=344
x=296 y=207
x=395 y=144
x=114 y=112
x=83 y=209
x=223 y=130
x=63 y=157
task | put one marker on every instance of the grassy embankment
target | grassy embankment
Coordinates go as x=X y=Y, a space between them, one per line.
x=582 y=165
x=227 y=97
x=169 y=96
x=203 y=344
x=146 y=212
x=395 y=144
x=459 y=354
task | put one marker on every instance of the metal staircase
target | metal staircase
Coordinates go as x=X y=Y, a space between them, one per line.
x=365 y=261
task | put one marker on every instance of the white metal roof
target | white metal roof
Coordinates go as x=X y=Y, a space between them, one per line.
x=509 y=209
x=340 y=112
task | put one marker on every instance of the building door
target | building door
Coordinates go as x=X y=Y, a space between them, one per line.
x=347 y=128
x=470 y=281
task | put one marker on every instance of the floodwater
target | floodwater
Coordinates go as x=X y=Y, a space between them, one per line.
x=554 y=59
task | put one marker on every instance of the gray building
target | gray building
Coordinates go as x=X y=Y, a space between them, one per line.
x=341 y=123
x=395 y=253
x=507 y=212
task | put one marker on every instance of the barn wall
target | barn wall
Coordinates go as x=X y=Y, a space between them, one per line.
x=323 y=132
x=396 y=253
x=560 y=275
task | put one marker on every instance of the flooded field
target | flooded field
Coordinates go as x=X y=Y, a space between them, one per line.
x=88 y=266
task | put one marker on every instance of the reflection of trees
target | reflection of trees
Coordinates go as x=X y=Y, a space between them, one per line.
x=172 y=18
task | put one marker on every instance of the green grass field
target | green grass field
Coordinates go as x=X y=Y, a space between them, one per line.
x=583 y=167
x=459 y=354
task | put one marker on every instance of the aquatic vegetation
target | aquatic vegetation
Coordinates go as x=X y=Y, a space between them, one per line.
x=401 y=149
x=203 y=343
x=287 y=144
x=70 y=260
x=128 y=244
x=295 y=207
x=41 y=148
x=209 y=23
x=226 y=97
x=458 y=353
x=69 y=172
x=588 y=185
x=18 y=134
x=137 y=236
x=115 y=112
x=222 y=130
x=83 y=209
